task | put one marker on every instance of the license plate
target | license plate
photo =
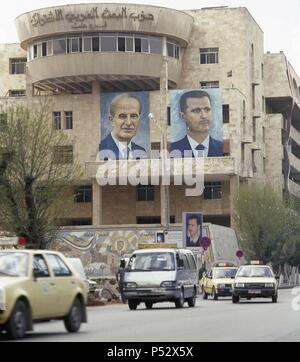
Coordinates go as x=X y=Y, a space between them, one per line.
x=254 y=291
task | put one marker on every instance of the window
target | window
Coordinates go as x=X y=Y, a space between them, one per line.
x=59 y=46
x=77 y=222
x=69 y=120
x=226 y=118
x=145 y=45
x=138 y=45
x=83 y=194
x=147 y=220
x=171 y=50
x=253 y=96
x=214 y=84
x=44 y=49
x=109 y=43
x=209 y=56
x=49 y=47
x=169 y=116
x=58 y=266
x=155 y=45
x=17 y=93
x=40 y=266
x=129 y=44
x=35 y=51
x=56 y=120
x=87 y=44
x=192 y=263
x=254 y=129
x=74 y=48
x=145 y=193
x=64 y=154
x=212 y=190
x=121 y=44
x=186 y=265
x=18 y=66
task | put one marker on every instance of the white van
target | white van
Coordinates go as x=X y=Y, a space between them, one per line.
x=78 y=266
x=161 y=275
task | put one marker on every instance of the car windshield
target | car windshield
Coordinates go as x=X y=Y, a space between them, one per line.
x=255 y=272
x=225 y=273
x=13 y=264
x=151 y=262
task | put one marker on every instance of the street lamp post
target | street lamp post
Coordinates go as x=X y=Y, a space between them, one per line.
x=165 y=186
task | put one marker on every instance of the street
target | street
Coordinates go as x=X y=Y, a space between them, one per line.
x=258 y=320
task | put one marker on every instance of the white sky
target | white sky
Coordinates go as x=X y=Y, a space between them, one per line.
x=280 y=20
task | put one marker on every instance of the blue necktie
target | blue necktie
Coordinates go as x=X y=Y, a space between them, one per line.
x=201 y=149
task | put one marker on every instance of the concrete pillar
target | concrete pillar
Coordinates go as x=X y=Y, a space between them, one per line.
x=164 y=190
x=97 y=204
x=234 y=187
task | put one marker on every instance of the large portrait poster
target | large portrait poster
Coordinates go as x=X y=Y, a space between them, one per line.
x=192 y=229
x=197 y=122
x=125 y=132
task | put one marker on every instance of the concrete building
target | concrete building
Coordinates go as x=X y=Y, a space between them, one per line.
x=77 y=53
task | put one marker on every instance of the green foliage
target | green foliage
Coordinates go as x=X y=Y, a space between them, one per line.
x=34 y=185
x=268 y=225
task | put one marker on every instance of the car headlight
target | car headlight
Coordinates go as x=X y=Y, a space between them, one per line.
x=2 y=299
x=269 y=285
x=220 y=286
x=168 y=284
x=239 y=285
x=131 y=285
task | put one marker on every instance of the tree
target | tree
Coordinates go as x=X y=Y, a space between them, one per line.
x=268 y=225
x=36 y=174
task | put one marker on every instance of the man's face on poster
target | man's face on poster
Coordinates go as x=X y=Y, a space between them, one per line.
x=126 y=120
x=198 y=115
x=193 y=228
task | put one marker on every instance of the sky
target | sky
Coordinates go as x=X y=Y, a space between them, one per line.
x=280 y=20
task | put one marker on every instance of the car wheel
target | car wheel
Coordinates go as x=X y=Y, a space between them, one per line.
x=235 y=299
x=179 y=302
x=275 y=298
x=214 y=294
x=192 y=301
x=132 y=304
x=149 y=305
x=16 y=326
x=73 y=320
x=204 y=294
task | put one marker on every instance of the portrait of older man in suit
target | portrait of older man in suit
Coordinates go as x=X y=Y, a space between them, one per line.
x=124 y=116
x=197 y=114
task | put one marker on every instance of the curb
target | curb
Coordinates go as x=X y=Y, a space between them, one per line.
x=289 y=286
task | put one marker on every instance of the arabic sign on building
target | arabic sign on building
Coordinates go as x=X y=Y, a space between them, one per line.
x=80 y=20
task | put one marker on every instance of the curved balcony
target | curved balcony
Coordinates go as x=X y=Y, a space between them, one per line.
x=115 y=71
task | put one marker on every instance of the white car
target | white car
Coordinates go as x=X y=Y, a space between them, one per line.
x=254 y=281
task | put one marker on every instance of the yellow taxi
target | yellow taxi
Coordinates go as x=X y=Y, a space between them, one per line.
x=255 y=281
x=39 y=286
x=218 y=281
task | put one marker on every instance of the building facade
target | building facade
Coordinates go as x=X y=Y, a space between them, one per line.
x=75 y=54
